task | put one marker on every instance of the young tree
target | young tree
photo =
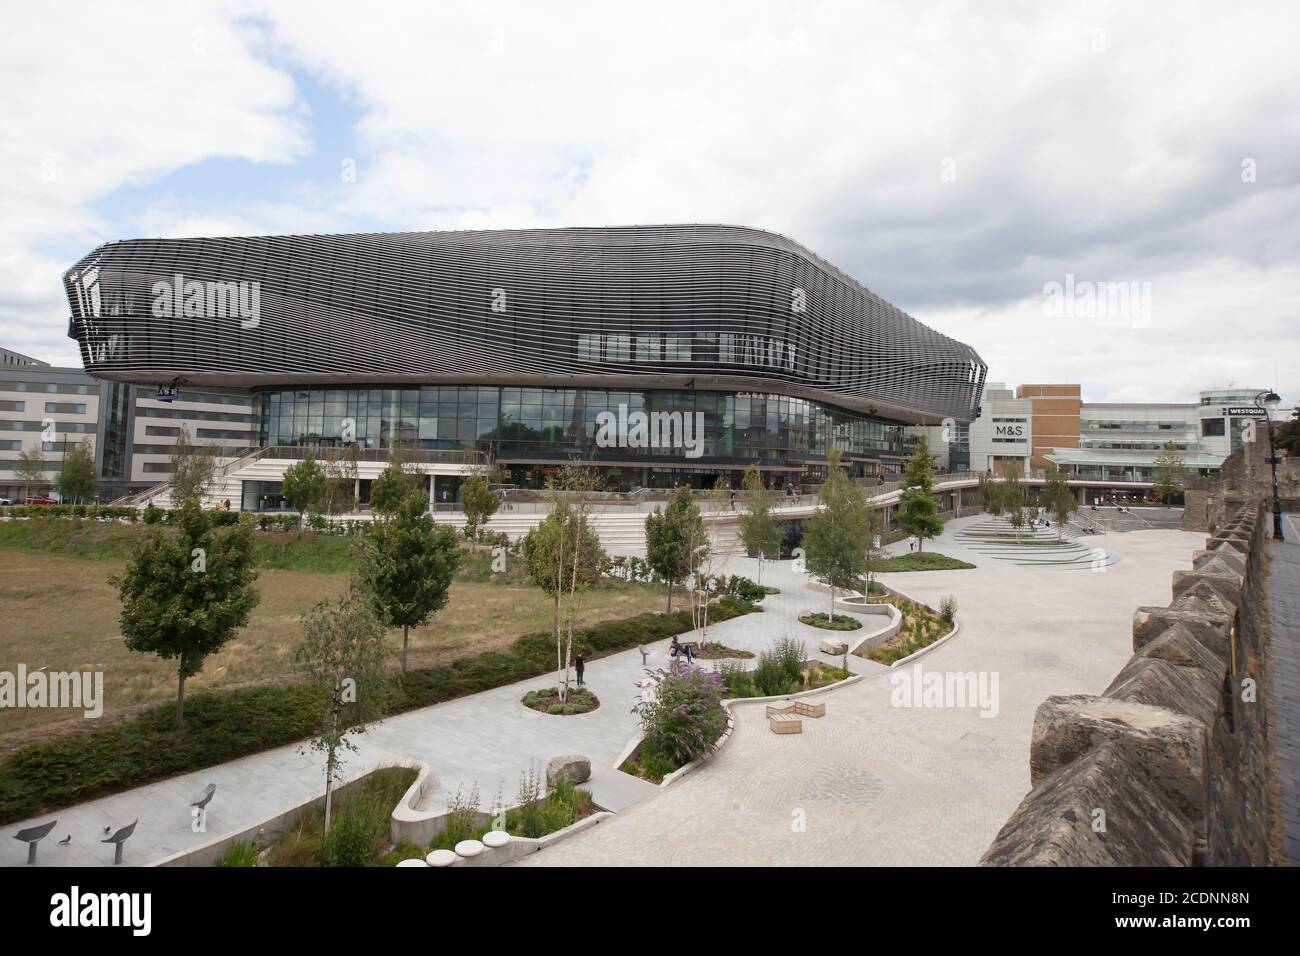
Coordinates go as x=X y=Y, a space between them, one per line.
x=341 y=656
x=1012 y=499
x=393 y=486
x=759 y=530
x=407 y=566
x=918 y=508
x=479 y=503
x=186 y=592
x=836 y=537
x=338 y=492
x=77 y=476
x=875 y=550
x=303 y=486
x=1168 y=472
x=193 y=468
x=1058 y=498
x=29 y=469
x=564 y=557
x=672 y=540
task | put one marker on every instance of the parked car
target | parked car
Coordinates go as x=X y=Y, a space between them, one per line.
x=39 y=500
x=5 y=501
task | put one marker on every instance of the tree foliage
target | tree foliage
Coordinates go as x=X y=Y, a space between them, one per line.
x=675 y=540
x=185 y=592
x=341 y=657
x=29 y=469
x=759 y=530
x=836 y=537
x=918 y=508
x=1057 y=498
x=1168 y=473
x=479 y=502
x=407 y=566
x=393 y=486
x=303 y=486
x=77 y=476
x=193 y=468
x=564 y=557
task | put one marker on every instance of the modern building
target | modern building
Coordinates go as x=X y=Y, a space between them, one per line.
x=1001 y=435
x=1055 y=411
x=1037 y=426
x=660 y=355
x=130 y=431
x=1121 y=441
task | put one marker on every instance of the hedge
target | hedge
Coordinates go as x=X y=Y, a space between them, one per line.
x=223 y=725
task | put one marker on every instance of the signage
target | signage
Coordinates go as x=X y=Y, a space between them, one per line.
x=165 y=393
x=1245 y=411
x=1009 y=431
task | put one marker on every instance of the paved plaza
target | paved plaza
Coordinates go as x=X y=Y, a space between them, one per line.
x=877 y=784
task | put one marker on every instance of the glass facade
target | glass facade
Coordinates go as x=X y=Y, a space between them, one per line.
x=552 y=423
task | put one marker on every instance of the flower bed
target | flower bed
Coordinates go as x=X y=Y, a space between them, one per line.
x=840 y=622
x=547 y=700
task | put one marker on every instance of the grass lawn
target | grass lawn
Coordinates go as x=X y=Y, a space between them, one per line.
x=921 y=561
x=60 y=612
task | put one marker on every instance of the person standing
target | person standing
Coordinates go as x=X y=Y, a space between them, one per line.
x=580 y=665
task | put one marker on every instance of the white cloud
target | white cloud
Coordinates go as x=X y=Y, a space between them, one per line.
x=1103 y=140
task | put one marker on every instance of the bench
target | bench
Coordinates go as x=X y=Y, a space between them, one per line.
x=775 y=710
x=785 y=724
x=809 y=709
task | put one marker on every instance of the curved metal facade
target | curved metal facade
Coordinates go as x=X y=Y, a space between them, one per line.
x=718 y=308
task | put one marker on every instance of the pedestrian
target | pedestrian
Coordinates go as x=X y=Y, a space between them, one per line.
x=732 y=499
x=911 y=544
x=673 y=649
x=580 y=665
x=690 y=654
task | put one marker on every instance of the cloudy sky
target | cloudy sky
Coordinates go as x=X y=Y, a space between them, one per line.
x=969 y=162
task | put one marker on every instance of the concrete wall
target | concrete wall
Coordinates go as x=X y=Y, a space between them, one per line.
x=1169 y=767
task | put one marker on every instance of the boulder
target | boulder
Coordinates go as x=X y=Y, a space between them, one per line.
x=575 y=769
x=833 y=646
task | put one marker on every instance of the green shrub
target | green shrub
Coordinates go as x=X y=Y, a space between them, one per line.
x=770 y=678
x=240 y=853
x=226 y=724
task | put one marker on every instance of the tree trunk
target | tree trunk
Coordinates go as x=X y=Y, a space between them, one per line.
x=406 y=634
x=831 y=619
x=329 y=788
x=670 y=597
x=180 y=695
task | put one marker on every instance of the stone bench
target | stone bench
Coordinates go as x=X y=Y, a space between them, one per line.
x=783 y=709
x=785 y=724
x=806 y=708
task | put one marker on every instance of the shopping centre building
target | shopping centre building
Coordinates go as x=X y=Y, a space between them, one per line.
x=1034 y=427
x=660 y=355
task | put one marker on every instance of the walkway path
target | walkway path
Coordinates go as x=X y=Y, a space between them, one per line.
x=1284 y=664
x=488 y=739
x=872 y=783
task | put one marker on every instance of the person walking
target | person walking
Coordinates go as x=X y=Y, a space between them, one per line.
x=580 y=665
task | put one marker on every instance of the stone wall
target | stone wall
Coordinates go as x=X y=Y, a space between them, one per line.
x=1244 y=479
x=1168 y=767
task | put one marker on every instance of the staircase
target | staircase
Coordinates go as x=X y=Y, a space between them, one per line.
x=1033 y=547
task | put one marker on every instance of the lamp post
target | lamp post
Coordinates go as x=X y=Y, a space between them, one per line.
x=1267 y=400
